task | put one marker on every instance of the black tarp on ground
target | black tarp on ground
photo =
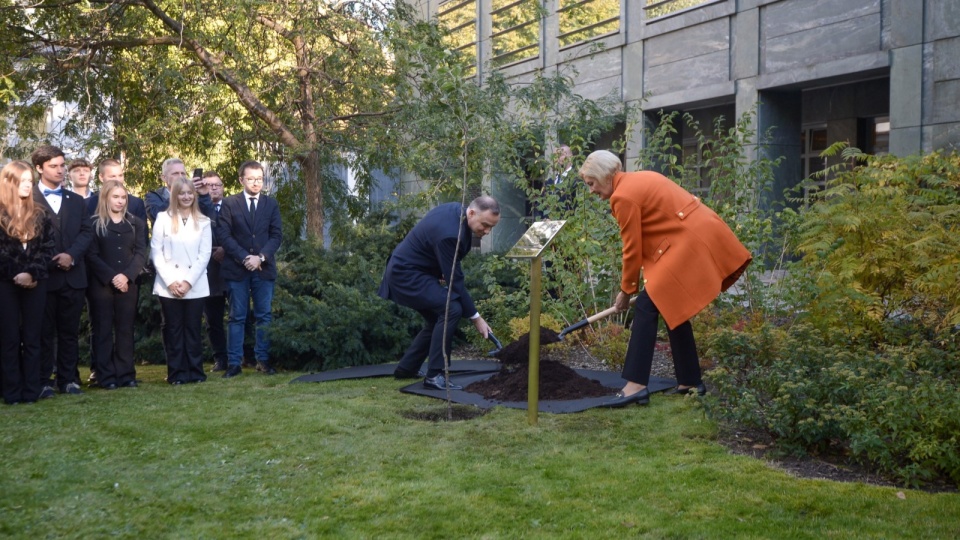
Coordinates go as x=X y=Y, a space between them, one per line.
x=606 y=378
x=386 y=370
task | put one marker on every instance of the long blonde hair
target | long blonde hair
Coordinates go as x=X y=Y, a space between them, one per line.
x=103 y=205
x=174 y=208
x=19 y=216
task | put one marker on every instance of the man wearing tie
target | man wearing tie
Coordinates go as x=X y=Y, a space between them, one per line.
x=216 y=303
x=250 y=231
x=111 y=169
x=68 y=275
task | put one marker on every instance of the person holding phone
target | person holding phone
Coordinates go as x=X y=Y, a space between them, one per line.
x=171 y=170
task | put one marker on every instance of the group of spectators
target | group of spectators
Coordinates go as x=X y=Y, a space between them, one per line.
x=63 y=248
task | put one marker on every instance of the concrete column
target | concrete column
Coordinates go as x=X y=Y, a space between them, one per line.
x=906 y=100
x=779 y=113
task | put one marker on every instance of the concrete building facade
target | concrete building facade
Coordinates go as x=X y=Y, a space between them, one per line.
x=883 y=75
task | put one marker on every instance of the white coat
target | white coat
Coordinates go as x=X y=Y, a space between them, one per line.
x=182 y=256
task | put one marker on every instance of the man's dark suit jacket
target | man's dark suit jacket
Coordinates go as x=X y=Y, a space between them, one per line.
x=72 y=235
x=135 y=205
x=214 y=279
x=241 y=236
x=426 y=256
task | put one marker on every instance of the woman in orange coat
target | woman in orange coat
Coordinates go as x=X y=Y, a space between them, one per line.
x=685 y=256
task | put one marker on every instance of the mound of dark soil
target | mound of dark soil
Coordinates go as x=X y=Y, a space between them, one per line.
x=518 y=352
x=557 y=382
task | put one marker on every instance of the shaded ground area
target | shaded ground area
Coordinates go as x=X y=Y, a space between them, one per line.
x=557 y=382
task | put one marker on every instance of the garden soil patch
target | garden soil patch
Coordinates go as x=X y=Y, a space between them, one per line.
x=557 y=382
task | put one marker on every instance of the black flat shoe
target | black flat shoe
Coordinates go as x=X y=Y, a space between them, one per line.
x=401 y=373
x=640 y=398
x=109 y=386
x=700 y=390
x=129 y=384
x=439 y=383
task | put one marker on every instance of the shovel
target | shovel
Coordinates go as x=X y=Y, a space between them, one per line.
x=593 y=318
x=496 y=343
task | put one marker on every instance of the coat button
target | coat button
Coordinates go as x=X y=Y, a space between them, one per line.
x=681 y=214
x=644 y=281
x=658 y=251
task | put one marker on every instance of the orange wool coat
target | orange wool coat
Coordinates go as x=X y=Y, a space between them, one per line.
x=686 y=254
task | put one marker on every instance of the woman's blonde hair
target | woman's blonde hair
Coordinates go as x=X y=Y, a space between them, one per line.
x=19 y=216
x=103 y=205
x=174 y=208
x=601 y=166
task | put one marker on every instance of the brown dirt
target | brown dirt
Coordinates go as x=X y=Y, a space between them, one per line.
x=518 y=352
x=557 y=382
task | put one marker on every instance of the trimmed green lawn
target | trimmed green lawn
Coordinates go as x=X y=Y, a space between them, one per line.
x=255 y=457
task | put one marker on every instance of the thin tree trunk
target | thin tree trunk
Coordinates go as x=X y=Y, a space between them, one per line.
x=310 y=165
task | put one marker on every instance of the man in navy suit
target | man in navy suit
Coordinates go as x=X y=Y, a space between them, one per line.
x=68 y=276
x=418 y=274
x=250 y=231
x=111 y=169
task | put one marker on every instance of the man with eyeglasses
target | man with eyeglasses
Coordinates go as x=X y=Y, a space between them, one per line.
x=250 y=230
x=215 y=306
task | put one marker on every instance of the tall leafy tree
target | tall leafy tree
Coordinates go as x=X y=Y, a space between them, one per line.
x=297 y=80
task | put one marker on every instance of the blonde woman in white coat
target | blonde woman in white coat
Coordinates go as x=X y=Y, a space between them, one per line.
x=180 y=250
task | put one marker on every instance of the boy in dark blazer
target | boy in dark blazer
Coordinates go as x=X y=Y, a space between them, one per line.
x=68 y=275
x=250 y=231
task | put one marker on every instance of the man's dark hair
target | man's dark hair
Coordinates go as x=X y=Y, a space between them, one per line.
x=249 y=165
x=78 y=163
x=211 y=174
x=486 y=203
x=44 y=154
x=109 y=162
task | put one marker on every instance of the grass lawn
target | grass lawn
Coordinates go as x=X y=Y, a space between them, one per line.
x=255 y=457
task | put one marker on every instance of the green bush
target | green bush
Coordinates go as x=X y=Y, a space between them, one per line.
x=862 y=356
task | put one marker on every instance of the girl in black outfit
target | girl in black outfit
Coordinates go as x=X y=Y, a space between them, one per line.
x=26 y=247
x=116 y=256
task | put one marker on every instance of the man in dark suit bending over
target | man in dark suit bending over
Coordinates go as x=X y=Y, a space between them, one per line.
x=417 y=275
x=250 y=231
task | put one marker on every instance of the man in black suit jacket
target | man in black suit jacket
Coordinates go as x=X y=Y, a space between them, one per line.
x=250 y=230
x=68 y=275
x=111 y=169
x=417 y=275
x=215 y=306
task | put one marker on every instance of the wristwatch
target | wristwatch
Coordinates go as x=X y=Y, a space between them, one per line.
x=262 y=258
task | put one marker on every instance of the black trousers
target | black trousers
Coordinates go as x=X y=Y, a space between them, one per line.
x=112 y=315
x=21 y=328
x=429 y=342
x=182 y=320
x=214 y=308
x=643 y=340
x=61 y=335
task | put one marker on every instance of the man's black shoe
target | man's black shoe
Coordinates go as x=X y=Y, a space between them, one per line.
x=266 y=368
x=439 y=383
x=219 y=365
x=232 y=371
x=401 y=373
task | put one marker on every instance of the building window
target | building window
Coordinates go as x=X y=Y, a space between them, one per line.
x=658 y=8
x=699 y=180
x=582 y=20
x=516 y=30
x=813 y=141
x=876 y=135
x=459 y=18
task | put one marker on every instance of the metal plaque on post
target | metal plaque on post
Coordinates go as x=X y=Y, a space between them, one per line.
x=531 y=246
x=535 y=240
